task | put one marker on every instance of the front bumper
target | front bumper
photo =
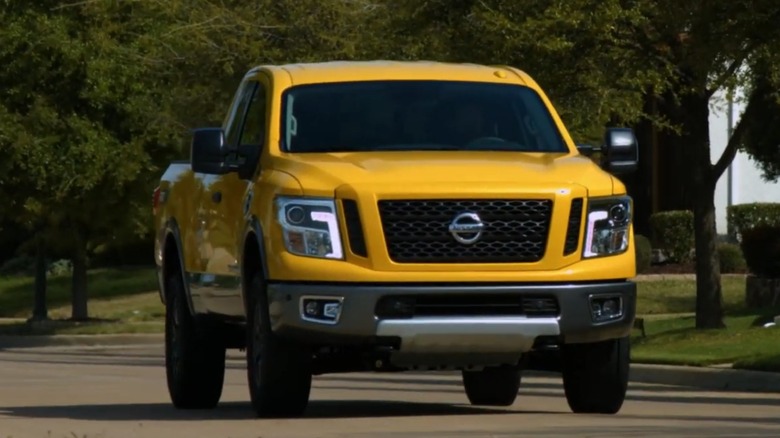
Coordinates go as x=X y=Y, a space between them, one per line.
x=468 y=337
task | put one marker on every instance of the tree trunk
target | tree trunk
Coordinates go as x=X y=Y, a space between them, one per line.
x=709 y=296
x=40 y=312
x=79 y=279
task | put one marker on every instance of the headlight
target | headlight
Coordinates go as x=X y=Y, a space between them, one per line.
x=310 y=227
x=608 y=221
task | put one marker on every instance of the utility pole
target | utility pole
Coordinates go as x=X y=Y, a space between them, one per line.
x=730 y=131
x=730 y=170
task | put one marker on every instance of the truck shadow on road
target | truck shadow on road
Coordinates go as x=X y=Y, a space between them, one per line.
x=318 y=409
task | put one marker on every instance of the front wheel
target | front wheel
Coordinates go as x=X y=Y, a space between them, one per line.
x=278 y=371
x=194 y=359
x=595 y=376
x=495 y=386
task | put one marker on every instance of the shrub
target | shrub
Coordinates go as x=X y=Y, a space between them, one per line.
x=23 y=265
x=61 y=267
x=672 y=231
x=731 y=259
x=745 y=216
x=644 y=253
x=761 y=247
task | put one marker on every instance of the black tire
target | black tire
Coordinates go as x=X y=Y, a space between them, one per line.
x=279 y=371
x=194 y=358
x=494 y=386
x=595 y=376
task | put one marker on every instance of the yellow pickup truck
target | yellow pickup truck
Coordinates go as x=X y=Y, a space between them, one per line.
x=393 y=216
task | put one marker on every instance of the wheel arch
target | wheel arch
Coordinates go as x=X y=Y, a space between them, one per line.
x=253 y=257
x=172 y=262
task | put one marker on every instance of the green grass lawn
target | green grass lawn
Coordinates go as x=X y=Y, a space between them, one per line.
x=121 y=301
x=668 y=307
x=16 y=293
x=679 y=296
x=675 y=341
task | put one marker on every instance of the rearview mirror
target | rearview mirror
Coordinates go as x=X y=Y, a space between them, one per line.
x=208 y=152
x=620 y=153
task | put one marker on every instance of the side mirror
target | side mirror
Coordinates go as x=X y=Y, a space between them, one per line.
x=620 y=153
x=209 y=151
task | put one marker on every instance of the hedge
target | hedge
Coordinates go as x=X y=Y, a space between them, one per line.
x=731 y=259
x=672 y=231
x=761 y=247
x=744 y=216
x=644 y=253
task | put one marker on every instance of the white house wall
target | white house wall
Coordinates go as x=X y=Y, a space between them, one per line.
x=747 y=184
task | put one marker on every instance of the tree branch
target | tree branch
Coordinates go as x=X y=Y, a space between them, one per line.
x=723 y=78
x=734 y=141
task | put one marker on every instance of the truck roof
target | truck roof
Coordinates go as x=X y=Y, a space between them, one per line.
x=330 y=71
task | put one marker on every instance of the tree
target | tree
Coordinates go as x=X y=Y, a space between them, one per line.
x=75 y=122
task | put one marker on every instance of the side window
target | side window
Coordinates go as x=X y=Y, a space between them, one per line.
x=233 y=124
x=254 y=129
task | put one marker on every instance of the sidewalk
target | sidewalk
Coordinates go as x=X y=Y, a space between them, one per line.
x=709 y=378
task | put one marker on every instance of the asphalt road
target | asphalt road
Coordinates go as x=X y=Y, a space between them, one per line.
x=120 y=392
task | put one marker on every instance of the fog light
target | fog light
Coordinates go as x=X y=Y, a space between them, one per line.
x=606 y=308
x=325 y=310
x=331 y=310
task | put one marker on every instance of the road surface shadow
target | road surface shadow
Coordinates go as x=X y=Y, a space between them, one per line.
x=746 y=422
x=322 y=409
x=546 y=390
x=417 y=379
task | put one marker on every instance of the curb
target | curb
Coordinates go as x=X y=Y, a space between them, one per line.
x=705 y=378
x=32 y=341
x=708 y=378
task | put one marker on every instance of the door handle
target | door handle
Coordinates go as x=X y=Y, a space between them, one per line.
x=216 y=197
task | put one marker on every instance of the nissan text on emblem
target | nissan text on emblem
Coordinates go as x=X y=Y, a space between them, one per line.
x=466 y=228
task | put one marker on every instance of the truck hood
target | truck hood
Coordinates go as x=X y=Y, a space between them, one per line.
x=324 y=174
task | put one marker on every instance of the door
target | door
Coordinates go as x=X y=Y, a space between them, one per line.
x=204 y=280
x=224 y=197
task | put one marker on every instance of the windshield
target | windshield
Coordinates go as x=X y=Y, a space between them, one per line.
x=416 y=115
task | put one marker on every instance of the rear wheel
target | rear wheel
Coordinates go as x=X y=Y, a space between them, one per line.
x=279 y=371
x=595 y=376
x=194 y=359
x=495 y=386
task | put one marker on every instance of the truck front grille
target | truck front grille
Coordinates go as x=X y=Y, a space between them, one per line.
x=417 y=231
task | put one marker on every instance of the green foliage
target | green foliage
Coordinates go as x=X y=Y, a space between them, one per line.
x=762 y=130
x=584 y=53
x=745 y=216
x=672 y=231
x=644 y=253
x=761 y=246
x=731 y=259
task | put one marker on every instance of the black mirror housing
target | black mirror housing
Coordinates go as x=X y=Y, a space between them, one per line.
x=620 y=153
x=208 y=152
